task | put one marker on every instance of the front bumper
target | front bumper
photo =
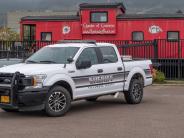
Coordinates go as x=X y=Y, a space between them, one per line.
x=26 y=100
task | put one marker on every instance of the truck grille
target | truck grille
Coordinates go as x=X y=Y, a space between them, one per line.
x=6 y=78
x=5 y=81
x=10 y=83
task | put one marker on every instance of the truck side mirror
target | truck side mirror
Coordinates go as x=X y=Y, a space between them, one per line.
x=70 y=60
x=84 y=64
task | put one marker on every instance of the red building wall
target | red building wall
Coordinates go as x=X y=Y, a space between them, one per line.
x=114 y=29
x=118 y=27
x=126 y=27
x=56 y=28
x=98 y=28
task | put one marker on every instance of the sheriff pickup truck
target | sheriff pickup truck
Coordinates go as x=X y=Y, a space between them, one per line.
x=58 y=74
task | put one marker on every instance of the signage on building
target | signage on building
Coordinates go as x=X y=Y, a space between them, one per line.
x=155 y=29
x=98 y=28
x=66 y=29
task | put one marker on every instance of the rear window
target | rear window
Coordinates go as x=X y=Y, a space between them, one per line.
x=108 y=55
x=172 y=35
x=137 y=36
x=99 y=17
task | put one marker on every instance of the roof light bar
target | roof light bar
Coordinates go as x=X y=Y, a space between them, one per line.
x=77 y=41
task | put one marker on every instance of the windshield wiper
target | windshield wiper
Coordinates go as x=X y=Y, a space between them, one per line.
x=47 y=61
x=31 y=61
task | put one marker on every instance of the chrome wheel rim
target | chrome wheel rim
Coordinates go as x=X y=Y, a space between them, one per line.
x=136 y=91
x=57 y=101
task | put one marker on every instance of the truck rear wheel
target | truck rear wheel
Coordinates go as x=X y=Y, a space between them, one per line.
x=135 y=93
x=58 y=101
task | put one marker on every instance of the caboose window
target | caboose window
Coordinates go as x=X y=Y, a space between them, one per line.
x=46 y=36
x=137 y=36
x=29 y=32
x=99 y=17
x=172 y=35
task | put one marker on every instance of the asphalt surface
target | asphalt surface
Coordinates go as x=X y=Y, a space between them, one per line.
x=160 y=115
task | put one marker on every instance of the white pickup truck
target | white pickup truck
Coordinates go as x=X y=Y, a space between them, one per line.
x=61 y=73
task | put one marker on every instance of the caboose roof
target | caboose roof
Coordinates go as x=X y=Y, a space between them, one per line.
x=102 y=5
x=51 y=18
x=150 y=16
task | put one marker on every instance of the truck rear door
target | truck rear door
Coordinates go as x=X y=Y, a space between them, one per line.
x=113 y=70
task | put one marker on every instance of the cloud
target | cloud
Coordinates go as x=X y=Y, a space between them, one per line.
x=132 y=5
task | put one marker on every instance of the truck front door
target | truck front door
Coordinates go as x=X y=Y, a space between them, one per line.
x=105 y=75
x=84 y=78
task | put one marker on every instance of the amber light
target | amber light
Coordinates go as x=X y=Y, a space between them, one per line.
x=5 y=99
x=34 y=82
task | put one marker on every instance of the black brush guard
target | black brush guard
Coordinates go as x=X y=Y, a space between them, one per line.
x=11 y=89
x=13 y=85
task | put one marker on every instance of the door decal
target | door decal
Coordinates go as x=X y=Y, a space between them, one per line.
x=99 y=80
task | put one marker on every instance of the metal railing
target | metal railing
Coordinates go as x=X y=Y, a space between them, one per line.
x=168 y=54
x=20 y=49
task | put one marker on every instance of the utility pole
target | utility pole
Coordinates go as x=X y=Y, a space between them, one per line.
x=4 y=19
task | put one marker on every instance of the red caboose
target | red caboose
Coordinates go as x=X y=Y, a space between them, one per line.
x=107 y=22
x=103 y=22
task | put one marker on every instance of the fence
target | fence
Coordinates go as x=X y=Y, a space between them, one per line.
x=171 y=58
x=169 y=55
x=20 y=49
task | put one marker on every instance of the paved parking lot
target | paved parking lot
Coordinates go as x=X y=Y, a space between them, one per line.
x=160 y=115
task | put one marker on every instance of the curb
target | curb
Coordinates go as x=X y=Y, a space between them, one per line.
x=169 y=84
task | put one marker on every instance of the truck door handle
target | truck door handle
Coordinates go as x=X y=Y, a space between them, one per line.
x=119 y=68
x=100 y=70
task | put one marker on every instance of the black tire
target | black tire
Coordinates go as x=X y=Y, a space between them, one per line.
x=10 y=110
x=92 y=99
x=58 y=101
x=135 y=93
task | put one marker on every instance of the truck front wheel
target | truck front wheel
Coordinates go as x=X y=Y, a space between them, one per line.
x=135 y=93
x=58 y=101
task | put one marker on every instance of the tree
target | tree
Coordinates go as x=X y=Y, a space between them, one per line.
x=6 y=34
x=179 y=11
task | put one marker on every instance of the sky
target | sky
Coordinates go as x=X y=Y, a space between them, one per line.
x=133 y=6
x=140 y=6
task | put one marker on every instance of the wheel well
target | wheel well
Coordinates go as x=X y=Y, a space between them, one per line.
x=138 y=76
x=66 y=85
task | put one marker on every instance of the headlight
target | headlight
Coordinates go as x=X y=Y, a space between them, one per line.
x=37 y=81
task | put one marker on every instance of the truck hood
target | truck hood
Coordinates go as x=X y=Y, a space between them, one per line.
x=31 y=69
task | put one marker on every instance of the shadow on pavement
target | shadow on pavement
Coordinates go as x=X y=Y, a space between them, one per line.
x=77 y=107
x=100 y=104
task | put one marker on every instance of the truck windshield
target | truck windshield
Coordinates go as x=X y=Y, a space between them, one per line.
x=57 y=55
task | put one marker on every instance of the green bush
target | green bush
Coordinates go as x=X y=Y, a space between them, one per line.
x=159 y=77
